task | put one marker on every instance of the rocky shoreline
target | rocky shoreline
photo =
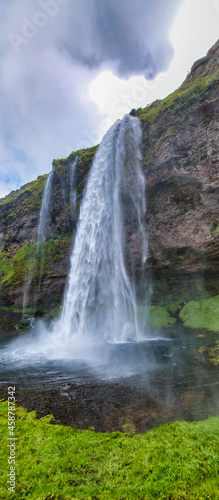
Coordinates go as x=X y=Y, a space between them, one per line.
x=116 y=406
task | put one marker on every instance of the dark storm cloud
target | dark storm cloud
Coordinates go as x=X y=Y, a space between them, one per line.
x=50 y=51
x=130 y=34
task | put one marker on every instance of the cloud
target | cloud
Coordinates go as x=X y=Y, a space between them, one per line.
x=50 y=51
x=131 y=35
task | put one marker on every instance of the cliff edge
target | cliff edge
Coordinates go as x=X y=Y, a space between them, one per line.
x=180 y=160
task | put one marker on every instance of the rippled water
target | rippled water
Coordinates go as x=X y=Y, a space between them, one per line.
x=171 y=350
x=165 y=371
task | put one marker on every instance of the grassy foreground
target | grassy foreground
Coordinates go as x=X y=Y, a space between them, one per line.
x=176 y=461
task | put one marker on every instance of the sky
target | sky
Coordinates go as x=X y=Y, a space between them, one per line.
x=70 y=68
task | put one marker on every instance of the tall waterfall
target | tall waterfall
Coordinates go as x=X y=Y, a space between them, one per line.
x=100 y=299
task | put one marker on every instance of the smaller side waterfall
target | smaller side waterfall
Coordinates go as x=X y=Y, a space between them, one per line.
x=44 y=219
x=45 y=211
x=73 y=191
x=100 y=300
x=43 y=227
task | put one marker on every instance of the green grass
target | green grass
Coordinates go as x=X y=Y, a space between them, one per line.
x=201 y=314
x=184 y=109
x=181 y=99
x=176 y=461
x=31 y=191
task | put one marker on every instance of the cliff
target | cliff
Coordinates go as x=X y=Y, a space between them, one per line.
x=180 y=160
x=181 y=164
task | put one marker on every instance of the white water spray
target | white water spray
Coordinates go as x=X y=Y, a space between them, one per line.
x=100 y=301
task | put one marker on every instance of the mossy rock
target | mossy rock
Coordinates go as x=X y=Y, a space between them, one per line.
x=156 y=316
x=32 y=260
x=201 y=314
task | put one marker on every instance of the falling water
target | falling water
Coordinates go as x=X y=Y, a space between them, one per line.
x=73 y=192
x=100 y=299
x=45 y=211
x=44 y=219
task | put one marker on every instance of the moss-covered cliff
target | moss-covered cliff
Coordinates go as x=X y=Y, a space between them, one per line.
x=180 y=160
x=20 y=259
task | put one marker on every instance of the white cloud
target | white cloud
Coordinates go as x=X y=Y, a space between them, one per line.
x=64 y=68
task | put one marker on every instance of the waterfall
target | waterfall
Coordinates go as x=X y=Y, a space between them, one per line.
x=44 y=219
x=43 y=229
x=73 y=191
x=45 y=211
x=100 y=300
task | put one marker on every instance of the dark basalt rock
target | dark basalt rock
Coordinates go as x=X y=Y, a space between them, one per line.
x=133 y=112
x=198 y=63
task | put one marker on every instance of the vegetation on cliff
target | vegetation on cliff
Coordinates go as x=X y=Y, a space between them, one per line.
x=16 y=267
x=20 y=256
x=28 y=198
x=20 y=202
x=178 y=460
x=180 y=162
x=162 y=118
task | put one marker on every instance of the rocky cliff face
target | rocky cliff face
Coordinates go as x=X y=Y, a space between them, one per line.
x=180 y=160
x=181 y=164
x=40 y=272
